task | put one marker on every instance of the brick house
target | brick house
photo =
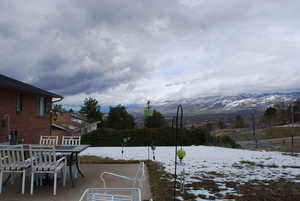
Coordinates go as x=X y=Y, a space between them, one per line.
x=25 y=109
x=66 y=123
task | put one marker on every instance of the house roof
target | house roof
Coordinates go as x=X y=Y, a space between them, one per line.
x=10 y=83
x=66 y=127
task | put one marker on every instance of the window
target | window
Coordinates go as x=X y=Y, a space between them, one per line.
x=41 y=106
x=19 y=102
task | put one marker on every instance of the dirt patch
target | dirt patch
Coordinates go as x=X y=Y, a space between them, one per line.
x=280 y=190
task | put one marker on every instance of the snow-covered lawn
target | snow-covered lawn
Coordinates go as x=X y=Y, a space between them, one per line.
x=216 y=163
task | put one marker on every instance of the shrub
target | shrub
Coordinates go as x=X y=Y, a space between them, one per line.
x=156 y=136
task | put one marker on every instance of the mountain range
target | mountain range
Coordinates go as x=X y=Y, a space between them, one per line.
x=219 y=104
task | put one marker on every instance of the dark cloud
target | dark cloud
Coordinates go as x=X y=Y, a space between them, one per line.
x=133 y=49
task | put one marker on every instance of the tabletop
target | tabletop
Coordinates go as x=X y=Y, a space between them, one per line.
x=60 y=148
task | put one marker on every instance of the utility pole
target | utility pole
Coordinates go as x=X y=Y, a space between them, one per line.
x=293 y=128
x=148 y=107
x=148 y=112
x=254 y=126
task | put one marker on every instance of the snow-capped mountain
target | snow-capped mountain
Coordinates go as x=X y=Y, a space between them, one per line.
x=221 y=104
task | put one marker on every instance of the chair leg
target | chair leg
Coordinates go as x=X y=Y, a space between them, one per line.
x=76 y=174
x=40 y=176
x=23 y=182
x=12 y=178
x=1 y=178
x=141 y=185
x=32 y=181
x=55 y=183
x=64 y=175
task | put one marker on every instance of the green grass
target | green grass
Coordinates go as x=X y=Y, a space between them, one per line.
x=237 y=134
x=265 y=133
x=159 y=179
x=270 y=133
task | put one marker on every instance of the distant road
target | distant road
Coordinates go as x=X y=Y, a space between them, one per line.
x=269 y=142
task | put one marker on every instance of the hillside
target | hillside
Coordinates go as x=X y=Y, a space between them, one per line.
x=220 y=104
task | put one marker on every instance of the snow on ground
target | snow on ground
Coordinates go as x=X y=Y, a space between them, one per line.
x=213 y=161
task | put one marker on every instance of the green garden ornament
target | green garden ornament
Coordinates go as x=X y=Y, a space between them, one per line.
x=181 y=154
x=148 y=112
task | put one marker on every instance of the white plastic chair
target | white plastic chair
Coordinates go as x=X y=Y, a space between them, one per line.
x=49 y=140
x=71 y=140
x=11 y=161
x=111 y=194
x=138 y=179
x=43 y=160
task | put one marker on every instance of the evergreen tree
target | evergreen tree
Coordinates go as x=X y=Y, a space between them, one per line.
x=91 y=110
x=239 y=122
x=221 y=124
x=119 y=118
x=282 y=110
x=58 y=108
x=157 y=120
x=270 y=115
x=296 y=110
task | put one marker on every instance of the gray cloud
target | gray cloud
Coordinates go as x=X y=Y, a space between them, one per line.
x=168 y=49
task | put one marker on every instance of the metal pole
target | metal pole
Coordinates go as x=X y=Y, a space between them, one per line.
x=254 y=126
x=176 y=132
x=293 y=127
x=145 y=135
x=148 y=107
x=173 y=119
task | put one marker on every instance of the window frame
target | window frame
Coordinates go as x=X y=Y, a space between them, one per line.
x=19 y=102
x=41 y=106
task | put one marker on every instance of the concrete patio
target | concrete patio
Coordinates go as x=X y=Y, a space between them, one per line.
x=12 y=192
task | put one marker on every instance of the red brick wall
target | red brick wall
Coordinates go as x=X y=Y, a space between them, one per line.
x=28 y=124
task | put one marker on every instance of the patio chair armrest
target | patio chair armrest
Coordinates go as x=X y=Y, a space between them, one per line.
x=116 y=175
x=3 y=158
x=30 y=159
x=62 y=159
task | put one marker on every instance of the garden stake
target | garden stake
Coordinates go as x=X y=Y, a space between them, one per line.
x=178 y=124
x=153 y=151
x=181 y=154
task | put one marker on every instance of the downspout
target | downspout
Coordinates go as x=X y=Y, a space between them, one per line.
x=51 y=112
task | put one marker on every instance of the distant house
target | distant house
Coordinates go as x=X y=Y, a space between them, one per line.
x=24 y=109
x=71 y=123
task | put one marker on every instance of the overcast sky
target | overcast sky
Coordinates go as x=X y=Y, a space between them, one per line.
x=123 y=52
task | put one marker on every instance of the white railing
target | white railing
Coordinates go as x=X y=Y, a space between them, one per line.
x=49 y=140
x=71 y=140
